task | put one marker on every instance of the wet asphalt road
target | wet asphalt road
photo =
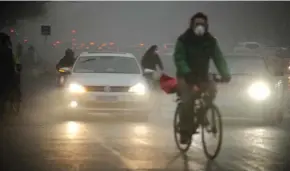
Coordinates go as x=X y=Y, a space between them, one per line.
x=41 y=140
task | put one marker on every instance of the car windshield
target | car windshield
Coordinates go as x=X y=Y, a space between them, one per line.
x=240 y=64
x=106 y=64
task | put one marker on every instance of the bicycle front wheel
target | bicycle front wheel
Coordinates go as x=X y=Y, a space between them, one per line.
x=213 y=127
x=176 y=131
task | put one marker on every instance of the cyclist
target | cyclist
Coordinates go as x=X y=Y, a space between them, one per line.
x=151 y=60
x=193 y=51
x=67 y=61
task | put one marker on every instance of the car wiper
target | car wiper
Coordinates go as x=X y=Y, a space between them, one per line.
x=87 y=60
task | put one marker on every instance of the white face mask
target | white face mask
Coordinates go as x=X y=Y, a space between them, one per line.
x=199 y=30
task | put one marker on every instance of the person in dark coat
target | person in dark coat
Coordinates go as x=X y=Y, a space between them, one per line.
x=151 y=59
x=67 y=61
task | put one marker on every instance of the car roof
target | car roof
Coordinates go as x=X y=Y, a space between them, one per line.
x=117 y=54
x=244 y=43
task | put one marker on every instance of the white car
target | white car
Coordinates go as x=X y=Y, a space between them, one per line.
x=108 y=83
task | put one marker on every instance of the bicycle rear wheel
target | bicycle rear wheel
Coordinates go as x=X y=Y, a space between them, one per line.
x=215 y=128
x=176 y=131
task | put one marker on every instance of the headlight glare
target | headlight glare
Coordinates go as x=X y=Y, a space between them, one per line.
x=259 y=91
x=138 y=89
x=76 y=88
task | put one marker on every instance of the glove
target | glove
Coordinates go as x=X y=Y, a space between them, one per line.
x=226 y=79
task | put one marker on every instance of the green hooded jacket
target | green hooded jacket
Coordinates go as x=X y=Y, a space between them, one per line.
x=192 y=55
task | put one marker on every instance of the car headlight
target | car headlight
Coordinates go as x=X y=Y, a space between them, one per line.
x=76 y=88
x=138 y=89
x=259 y=91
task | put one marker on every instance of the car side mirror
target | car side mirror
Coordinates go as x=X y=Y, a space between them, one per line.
x=64 y=70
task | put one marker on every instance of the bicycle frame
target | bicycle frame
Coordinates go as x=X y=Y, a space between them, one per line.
x=202 y=102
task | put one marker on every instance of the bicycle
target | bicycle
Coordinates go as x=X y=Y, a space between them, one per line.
x=201 y=105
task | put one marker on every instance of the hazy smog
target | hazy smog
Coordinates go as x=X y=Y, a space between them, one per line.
x=80 y=88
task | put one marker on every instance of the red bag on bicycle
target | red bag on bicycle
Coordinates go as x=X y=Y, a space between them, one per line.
x=168 y=84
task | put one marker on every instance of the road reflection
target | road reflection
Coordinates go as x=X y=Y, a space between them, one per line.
x=140 y=130
x=72 y=129
x=256 y=137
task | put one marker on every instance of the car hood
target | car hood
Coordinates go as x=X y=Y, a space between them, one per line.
x=91 y=79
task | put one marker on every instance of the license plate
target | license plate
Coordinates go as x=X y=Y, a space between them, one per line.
x=107 y=98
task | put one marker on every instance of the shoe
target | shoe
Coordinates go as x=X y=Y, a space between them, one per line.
x=184 y=138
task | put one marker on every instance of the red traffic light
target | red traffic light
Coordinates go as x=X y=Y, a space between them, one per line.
x=73 y=31
x=25 y=40
x=12 y=31
x=57 y=42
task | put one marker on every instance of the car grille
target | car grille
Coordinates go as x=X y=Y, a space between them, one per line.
x=107 y=88
x=112 y=105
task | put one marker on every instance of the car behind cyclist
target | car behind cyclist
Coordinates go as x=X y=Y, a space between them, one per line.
x=193 y=51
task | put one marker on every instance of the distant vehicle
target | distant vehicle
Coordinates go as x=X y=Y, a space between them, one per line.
x=256 y=89
x=256 y=48
x=248 y=47
x=167 y=49
x=107 y=82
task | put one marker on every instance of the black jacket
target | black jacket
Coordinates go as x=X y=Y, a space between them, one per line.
x=150 y=61
x=66 y=61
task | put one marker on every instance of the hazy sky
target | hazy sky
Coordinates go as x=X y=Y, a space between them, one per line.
x=156 y=22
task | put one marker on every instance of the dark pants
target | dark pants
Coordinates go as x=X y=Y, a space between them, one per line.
x=4 y=96
x=188 y=96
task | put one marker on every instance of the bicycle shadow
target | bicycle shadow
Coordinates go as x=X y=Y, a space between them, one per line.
x=209 y=165
x=176 y=157
x=212 y=166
